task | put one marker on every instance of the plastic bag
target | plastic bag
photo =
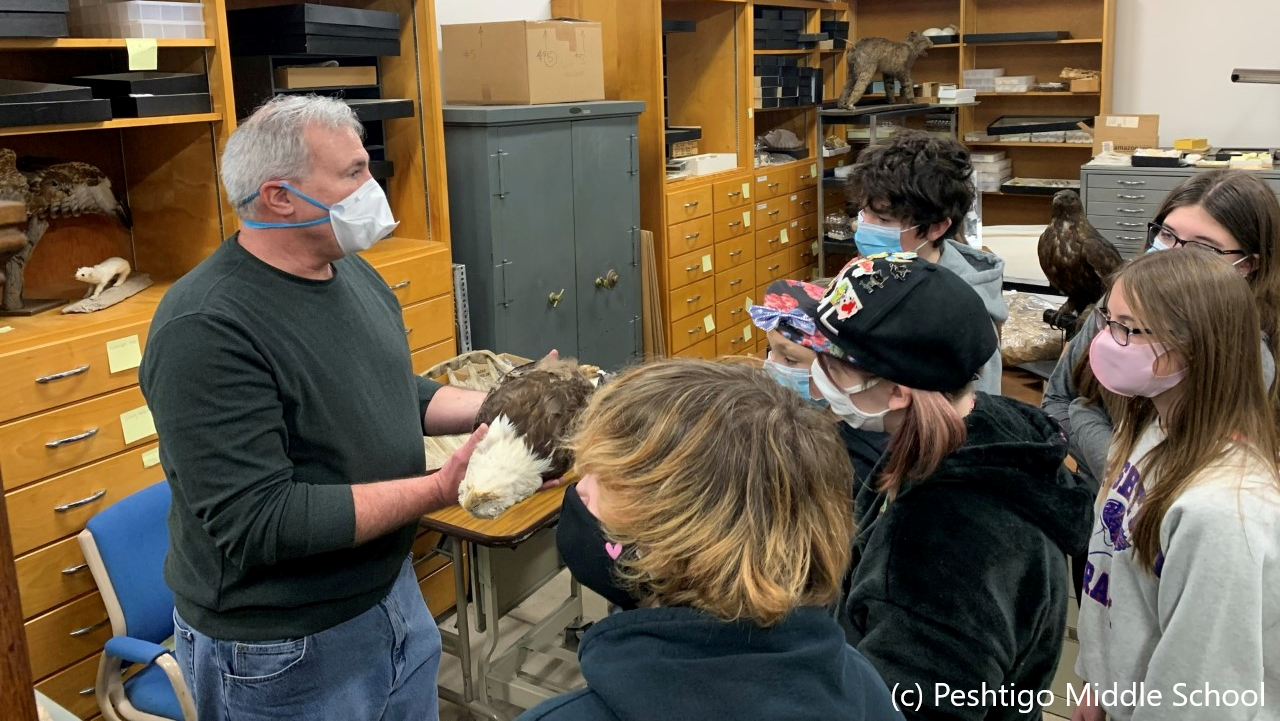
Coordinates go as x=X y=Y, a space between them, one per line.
x=1025 y=337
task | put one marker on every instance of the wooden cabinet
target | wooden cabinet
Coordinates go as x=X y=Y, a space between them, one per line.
x=73 y=430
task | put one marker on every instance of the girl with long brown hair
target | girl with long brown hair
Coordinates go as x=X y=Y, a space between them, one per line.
x=1182 y=584
x=958 y=577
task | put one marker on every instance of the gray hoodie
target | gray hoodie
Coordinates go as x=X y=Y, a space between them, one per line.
x=1208 y=618
x=984 y=272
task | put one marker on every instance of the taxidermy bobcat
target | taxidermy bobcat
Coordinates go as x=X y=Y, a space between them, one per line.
x=892 y=59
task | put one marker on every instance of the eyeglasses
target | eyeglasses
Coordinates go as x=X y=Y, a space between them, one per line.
x=1155 y=232
x=1119 y=331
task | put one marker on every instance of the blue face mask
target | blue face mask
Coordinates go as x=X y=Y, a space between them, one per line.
x=797 y=379
x=1157 y=245
x=874 y=239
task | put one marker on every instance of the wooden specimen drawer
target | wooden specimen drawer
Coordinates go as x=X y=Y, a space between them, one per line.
x=65 y=635
x=424 y=358
x=807 y=228
x=773 y=184
x=685 y=269
x=774 y=211
x=690 y=299
x=802 y=254
x=72 y=688
x=418 y=277
x=690 y=235
x=804 y=203
x=735 y=281
x=687 y=331
x=730 y=194
x=733 y=223
x=769 y=240
x=806 y=176
x=705 y=349
x=735 y=252
x=685 y=205
x=773 y=267
x=733 y=312
x=429 y=322
x=736 y=340
x=44 y=377
x=46 y=511
x=42 y=445
x=52 y=576
x=439 y=591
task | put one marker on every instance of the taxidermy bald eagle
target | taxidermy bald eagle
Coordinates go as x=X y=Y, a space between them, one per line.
x=1076 y=259
x=528 y=412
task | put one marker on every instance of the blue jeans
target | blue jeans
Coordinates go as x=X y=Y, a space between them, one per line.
x=381 y=664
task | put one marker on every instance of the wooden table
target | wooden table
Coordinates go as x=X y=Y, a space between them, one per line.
x=515 y=555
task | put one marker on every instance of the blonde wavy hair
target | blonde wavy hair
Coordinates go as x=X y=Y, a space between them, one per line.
x=734 y=494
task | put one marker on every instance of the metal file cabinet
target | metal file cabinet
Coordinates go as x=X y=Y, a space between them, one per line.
x=544 y=202
x=1120 y=200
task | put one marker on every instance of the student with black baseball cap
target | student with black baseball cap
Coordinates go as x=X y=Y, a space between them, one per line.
x=958 y=575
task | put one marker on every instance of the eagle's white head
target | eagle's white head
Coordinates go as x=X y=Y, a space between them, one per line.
x=503 y=471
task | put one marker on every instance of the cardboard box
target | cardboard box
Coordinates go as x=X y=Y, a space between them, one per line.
x=1126 y=132
x=1086 y=85
x=297 y=78
x=524 y=62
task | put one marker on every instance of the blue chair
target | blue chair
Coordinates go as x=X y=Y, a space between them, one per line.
x=125 y=546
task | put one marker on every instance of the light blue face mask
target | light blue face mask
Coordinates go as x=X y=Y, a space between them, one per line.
x=1157 y=245
x=797 y=379
x=874 y=239
x=303 y=224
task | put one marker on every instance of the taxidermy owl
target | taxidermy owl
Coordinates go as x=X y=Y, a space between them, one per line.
x=1076 y=259
x=70 y=189
x=528 y=412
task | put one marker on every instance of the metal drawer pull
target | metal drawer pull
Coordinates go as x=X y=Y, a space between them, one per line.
x=72 y=439
x=407 y=331
x=774 y=185
x=735 y=193
x=735 y=311
x=1129 y=237
x=694 y=330
x=774 y=267
x=1122 y=196
x=87 y=691
x=694 y=204
x=398 y=286
x=86 y=630
x=692 y=236
x=555 y=298
x=805 y=176
x=82 y=502
x=735 y=253
x=1123 y=224
x=735 y=223
x=69 y=570
x=694 y=299
x=63 y=374
x=1132 y=183
x=806 y=202
x=692 y=268
x=773 y=212
x=735 y=282
x=1128 y=210
x=774 y=240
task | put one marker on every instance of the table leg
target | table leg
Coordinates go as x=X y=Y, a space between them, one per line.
x=460 y=613
x=489 y=593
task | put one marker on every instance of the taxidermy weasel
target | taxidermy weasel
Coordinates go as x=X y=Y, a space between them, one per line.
x=528 y=412
x=101 y=274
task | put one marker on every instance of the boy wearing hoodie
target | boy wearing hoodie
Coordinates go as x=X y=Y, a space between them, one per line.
x=912 y=193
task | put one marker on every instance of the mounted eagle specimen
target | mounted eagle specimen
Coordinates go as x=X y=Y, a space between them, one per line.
x=1076 y=259
x=529 y=413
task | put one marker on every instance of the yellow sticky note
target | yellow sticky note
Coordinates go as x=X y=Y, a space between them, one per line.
x=151 y=457
x=746 y=333
x=124 y=354
x=142 y=53
x=746 y=191
x=137 y=424
x=706 y=263
x=746 y=218
x=814 y=247
x=5 y=328
x=785 y=238
x=749 y=303
x=813 y=170
x=709 y=323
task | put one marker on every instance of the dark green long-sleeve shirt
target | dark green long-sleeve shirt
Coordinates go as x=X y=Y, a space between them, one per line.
x=272 y=395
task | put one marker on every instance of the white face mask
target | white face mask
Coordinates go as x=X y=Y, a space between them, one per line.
x=842 y=405
x=359 y=220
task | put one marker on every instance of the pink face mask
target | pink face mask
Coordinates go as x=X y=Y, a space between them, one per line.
x=1129 y=370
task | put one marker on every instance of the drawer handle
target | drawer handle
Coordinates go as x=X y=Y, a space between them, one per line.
x=692 y=268
x=694 y=330
x=735 y=193
x=1122 y=196
x=398 y=286
x=735 y=341
x=735 y=223
x=87 y=691
x=735 y=282
x=694 y=299
x=734 y=254
x=71 y=570
x=692 y=236
x=806 y=202
x=82 y=502
x=407 y=331
x=1123 y=224
x=774 y=267
x=1129 y=237
x=63 y=374
x=805 y=177
x=774 y=240
x=86 y=630
x=1131 y=183
x=735 y=311
x=694 y=204
x=772 y=213
x=1128 y=210
x=72 y=439
x=774 y=185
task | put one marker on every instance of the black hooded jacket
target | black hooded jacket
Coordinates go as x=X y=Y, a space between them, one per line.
x=670 y=664
x=962 y=579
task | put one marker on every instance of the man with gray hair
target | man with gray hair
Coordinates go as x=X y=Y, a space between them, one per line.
x=291 y=424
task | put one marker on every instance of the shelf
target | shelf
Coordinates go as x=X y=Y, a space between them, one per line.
x=94 y=43
x=115 y=124
x=781 y=52
x=789 y=107
x=1073 y=41
x=944 y=46
x=1020 y=195
x=1033 y=93
x=806 y=4
x=1027 y=144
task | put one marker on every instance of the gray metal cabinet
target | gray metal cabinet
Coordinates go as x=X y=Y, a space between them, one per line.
x=1121 y=200
x=544 y=204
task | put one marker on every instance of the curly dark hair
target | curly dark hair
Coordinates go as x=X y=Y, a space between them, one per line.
x=915 y=176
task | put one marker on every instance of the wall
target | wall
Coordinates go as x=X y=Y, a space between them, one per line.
x=451 y=12
x=1175 y=57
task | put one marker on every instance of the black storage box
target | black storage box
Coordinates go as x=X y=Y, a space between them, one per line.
x=33 y=6
x=769 y=102
x=273 y=19
x=768 y=25
x=767 y=14
x=33 y=24
x=381 y=169
x=1016 y=125
x=385 y=109
x=789 y=71
x=682 y=133
x=25 y=91
x=311 y=45
x=794 y=26
x=768 y=81
x=1039 y=36
x=54 y=113
x=150 y=106
x=678 y=26
x=788 y=14
x=145 y=82
x=789 y=102
x=787 y=62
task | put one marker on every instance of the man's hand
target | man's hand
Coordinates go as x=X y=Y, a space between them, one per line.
x=1086 y=712
x=454 y=470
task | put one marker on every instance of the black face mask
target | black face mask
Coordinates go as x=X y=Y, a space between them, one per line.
x=581 y=543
